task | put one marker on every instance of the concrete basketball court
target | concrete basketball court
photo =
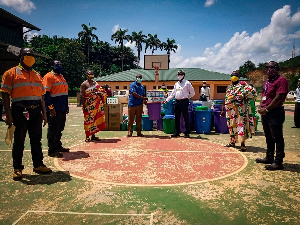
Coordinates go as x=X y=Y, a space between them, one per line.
x=153 y=180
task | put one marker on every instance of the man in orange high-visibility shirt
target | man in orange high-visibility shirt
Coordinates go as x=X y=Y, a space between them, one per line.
x=23 y=86
x=56 y=100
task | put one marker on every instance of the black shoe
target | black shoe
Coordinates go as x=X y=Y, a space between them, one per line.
x=175 y=135
x=274 y=166
x=56 y=155
x=64 y=149
x=187 y=135
x=264 y=161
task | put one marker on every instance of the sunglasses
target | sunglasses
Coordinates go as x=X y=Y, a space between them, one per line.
x=271 y=67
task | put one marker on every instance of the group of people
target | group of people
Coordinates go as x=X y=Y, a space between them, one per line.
x=240 y=117
x=29 y=99
x=35 y=99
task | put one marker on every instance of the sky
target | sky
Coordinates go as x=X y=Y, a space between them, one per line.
x=216 y=35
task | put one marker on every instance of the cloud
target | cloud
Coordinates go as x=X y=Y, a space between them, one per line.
x=29 y=34
x=130 y=45
x=22 y=6
x=209 y=3
x=115 y=28
x=273 y=42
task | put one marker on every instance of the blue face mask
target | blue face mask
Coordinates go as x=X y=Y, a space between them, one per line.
x=57 y=69
x=139 y=80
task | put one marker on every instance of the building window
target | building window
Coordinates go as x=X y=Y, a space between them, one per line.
x=170 y=87
x=125 y=87
x=117 y=87
x=221 y=89
x=154 y=87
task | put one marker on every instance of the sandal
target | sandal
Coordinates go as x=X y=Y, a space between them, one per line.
x=243 y=148
x=87 y=139
x=95 y=139
x=230 y=144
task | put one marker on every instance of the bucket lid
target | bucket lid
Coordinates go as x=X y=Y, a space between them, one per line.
x=145 y=115
x=169 y=117
x=201 y=108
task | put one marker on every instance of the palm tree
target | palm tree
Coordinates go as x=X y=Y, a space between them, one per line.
x=120 y=36
x=153 y=43
x=169 y=46
x=87 y=36
x=139 y=39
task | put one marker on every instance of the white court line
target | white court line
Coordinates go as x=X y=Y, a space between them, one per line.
x=76 y=213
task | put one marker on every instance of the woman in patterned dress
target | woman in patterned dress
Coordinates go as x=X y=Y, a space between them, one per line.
x=238 y=111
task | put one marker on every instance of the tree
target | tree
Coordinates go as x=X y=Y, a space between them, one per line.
x=247 y=67
x=139 y=39
x=119 y=36
x=169 y=46
x=74 y=66
x=153 y=43
x=87 y=36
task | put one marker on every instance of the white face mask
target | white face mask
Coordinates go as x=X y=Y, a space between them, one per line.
x=180 y=77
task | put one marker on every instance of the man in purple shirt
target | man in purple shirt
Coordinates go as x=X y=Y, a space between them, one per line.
x=272 y=113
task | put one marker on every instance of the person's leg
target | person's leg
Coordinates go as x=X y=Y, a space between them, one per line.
x=185 y=114
x=269 y=159
x=177 y=112
x=53 y=133
x=20 y=122
x=131 y=114
x=139 y=112
x=35 y=135
x=297 y=115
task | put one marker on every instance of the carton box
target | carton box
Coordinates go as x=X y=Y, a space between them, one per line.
x=115 y=117
x=106 y=116
x=114 y=125
x=115 y=108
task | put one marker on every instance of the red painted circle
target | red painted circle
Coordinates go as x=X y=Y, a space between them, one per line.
x=152 y=160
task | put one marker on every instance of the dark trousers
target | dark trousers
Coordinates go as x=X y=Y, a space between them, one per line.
x=136 y=112
x=297 y=115
x=56 y=125
x=273 y=127
x=181 y=107
x=34 y=127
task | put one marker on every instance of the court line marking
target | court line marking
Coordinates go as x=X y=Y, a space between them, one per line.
x=95 y=214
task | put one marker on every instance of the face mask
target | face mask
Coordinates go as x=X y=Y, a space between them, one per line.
x=271 y=71
x=139 y=80
x=163 y=87
x=57 y=69
x=234 y=78
x=90 y=76
x=28 y=60
x=180 y=77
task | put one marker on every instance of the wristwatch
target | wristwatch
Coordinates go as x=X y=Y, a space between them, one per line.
x=266 y=110
x=51 y=107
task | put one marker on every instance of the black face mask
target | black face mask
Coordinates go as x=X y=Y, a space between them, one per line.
x=57 y=69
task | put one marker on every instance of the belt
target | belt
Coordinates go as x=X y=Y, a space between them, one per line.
x=181 y=99
x=27 y=106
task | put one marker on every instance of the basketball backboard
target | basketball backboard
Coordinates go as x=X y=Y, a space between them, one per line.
x=162 y=61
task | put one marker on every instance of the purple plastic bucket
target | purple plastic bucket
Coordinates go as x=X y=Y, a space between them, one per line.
x=220 y=123
x=154 y=110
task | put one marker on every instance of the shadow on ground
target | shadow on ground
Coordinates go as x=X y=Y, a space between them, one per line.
x=54 y=177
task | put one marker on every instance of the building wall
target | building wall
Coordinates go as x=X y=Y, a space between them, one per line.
x=124 y=85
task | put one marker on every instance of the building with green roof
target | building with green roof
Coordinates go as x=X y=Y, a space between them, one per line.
x=216 y=81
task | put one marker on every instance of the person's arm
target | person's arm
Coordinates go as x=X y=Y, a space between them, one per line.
x=172 y=95
x=275 y=102
x=6 y=105
x=191 y=90
x=82 y=94
x=44 y=111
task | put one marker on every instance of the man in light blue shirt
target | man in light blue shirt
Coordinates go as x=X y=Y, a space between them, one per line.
x=135 y=105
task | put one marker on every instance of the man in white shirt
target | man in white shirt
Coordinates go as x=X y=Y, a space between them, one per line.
x=297 y=107
x=205 y=92
x=182 y=91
